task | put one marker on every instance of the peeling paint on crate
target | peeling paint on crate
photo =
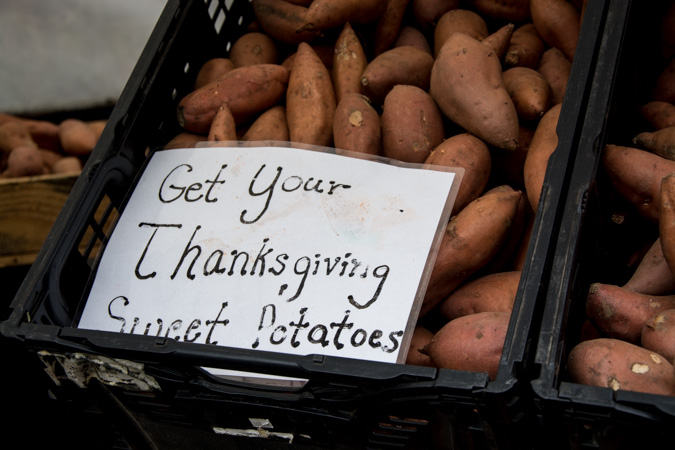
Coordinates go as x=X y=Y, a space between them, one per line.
x=261 y=431
x=81 y=368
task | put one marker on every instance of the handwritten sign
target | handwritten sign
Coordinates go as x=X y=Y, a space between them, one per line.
x=281 y=249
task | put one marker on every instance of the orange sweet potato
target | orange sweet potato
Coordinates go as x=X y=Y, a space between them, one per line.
x=223 y=127
x=254 y=48
x=459 y=21
x=349 y=62
x=467 y=151
x=661 y=142
x=474 y=342
x=556 y=68
x=400 y=65
x=544 y=142
x=427 y=12
x=495 y=292
x=67 y=164
x=23 y=161
x=15 y=133
x=247 y=91
x=356 y=125
x=420 y=339
x=326 y=14
x=636 y=175
x=620 y=365
x=412 y=36
x=470 y=241
x=77 y=138
x=658 y=334
x=466 y=82
x=281 y=20
x=558 y=22
x=652 y=276
x=184 y=139
x=530 y=92
x=499 y=40
x=211 y=70
x=271 y=125
x=388 y=25
x=310 y=99
x=620 y=313
x=658 y=114
x=412 y=125
x=525 y=47
x=667 y=220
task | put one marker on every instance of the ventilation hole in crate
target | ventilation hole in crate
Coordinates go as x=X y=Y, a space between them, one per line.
x=228 y=46
x=212 y=7
x=220 y=20
x=99 y=229
x=228 y=4
x=240 y=21
x=174 y=94
x=186 y=69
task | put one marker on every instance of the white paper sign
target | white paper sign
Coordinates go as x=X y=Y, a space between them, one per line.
x=280 y=249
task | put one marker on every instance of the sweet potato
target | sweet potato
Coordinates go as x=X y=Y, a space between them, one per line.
x=499 y=40
x=420 y=339
x=211 y=70
x=652 y=276
x=356 y=125
x=427 y=12
x=658 y=114
x=325 y=52
x=525 y=47
x=466 y=82
x=412 y=124
x=254 y=48
x=459 y=21
x=620 y=313
x=50 y=158
x=474 y=343
x=467 y=151
x=530 y=92
x=247 y=91
x=658 y=334
x=470 y=240
x=15 y=133
x=223 y=127
x=349 y=62
x=661 y=142
x=558 y=23
x=664 y=87
x=495 y=292
x=45 y=134
x=401 y=65
x=412 y=36
x=281 y=20
x=77 y=138
x=544 y=143
x=326 y=14
x=184 y=139
x=23 y=161
x=556 y=68
x=636 y=175
x=620 y=365
x=502 y=10
x=68 y=164
x=388 y=25
x=310 y=99
x=271 y=125
x=667 y=220
x=97 y=126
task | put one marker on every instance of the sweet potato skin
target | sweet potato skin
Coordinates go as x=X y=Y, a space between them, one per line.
x=658 y=334
x=356 y=125
x=271 y=125
x=349 y=62
x=620 y=365
x=543 y=144
x=495 y=292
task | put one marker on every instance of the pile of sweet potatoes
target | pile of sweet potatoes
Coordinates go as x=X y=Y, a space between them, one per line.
x=628 y=341
x=473 y=84
x=30 y=147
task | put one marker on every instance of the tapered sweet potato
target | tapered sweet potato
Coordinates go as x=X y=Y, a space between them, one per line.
x=246 y=90
x=556 y=68
x=211 y=70
x=326 y=14
x=254 y=48
x=223 y=127
x=495 y=292
x=349 y=62
x=23 y=161
x=667 y=220
x=499 y=40
x=652 y=276
x=412 y=36
x=544 y=143
x=525 y=47
x=389 y=25
x=459 y=21
x=310 y=99
x=530 y=92
x=412 y=124
x=467 y=151
x=474 y=342
x=77 y=138
x=281 y=20
x=658 y=334
x=356 y=125
x=470 y=241
x=620 y=365
x=420 y=339
x=271 y=125
x=636 y=174
x=466 y=82
x=658 y=114
x=558 y=22
x=620 y=313
x=401 y=65
x=661 y=142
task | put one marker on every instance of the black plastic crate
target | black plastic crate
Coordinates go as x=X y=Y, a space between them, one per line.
x=599 y=233
x=154 y=389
